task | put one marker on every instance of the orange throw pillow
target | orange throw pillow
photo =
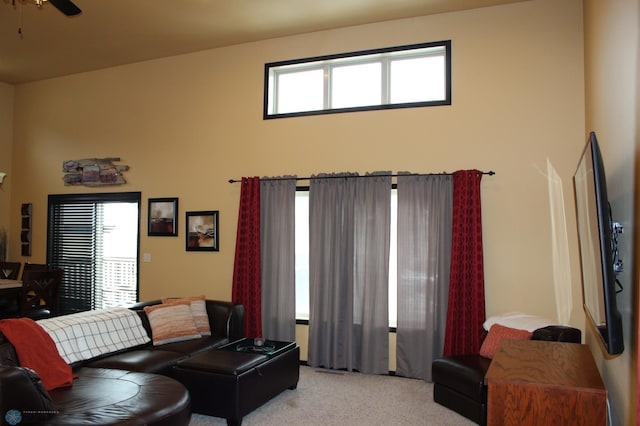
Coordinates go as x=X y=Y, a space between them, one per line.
x=498 y=332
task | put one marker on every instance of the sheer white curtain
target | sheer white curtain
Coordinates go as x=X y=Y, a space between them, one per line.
x=349 y=261
x=277 y=260
x=424 y=253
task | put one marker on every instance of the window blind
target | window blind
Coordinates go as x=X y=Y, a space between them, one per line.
x=75 y=244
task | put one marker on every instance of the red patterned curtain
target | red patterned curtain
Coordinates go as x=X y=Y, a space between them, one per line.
x=466 y=309
x=246 y=269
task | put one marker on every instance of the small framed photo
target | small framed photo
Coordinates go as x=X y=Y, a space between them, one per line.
x=163 y=217
x=202 y=231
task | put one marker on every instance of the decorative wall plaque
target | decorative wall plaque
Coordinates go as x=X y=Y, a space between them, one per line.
x=93 y=172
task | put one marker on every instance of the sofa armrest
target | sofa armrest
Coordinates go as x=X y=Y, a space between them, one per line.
x=21 y=389
x=226 y=319
x=8 y=355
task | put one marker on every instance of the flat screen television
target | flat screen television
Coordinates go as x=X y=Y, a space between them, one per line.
x=598 y=251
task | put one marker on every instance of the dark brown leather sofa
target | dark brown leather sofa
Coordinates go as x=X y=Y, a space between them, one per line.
x=458 y=381
x=98 y=396
x=226 y=320
x=131 y=387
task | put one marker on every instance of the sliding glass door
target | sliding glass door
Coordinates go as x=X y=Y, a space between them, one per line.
x=95 y=239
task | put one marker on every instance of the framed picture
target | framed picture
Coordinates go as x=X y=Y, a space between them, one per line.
x=163 y=217
x=202 y=231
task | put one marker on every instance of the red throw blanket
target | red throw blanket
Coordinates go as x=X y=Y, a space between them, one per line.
x=37 y=351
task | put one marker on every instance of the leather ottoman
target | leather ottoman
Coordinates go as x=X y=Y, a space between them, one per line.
x=233 y=380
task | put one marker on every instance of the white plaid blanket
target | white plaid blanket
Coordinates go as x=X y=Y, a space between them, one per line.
x=88 y=334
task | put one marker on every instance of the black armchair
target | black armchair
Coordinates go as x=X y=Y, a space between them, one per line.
x=458 y=381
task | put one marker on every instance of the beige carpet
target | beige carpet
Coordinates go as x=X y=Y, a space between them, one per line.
x=329 y=398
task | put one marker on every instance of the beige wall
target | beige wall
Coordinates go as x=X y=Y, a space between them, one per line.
x=612 y=49
x=189 y=123
x=6 y=138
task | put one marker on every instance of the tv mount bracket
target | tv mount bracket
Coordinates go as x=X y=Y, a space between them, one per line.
x=616 y=230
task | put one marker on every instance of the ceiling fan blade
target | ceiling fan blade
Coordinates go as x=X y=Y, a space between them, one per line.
x=66 y=7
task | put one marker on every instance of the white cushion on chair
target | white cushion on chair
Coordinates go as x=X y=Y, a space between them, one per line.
x=518 y=320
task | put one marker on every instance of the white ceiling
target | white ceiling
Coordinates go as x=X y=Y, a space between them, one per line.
x=116 y=32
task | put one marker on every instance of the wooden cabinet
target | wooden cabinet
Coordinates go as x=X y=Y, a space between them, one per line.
x=544 y=383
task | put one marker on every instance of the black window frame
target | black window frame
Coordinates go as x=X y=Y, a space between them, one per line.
x=86 y=198
x=447 y=101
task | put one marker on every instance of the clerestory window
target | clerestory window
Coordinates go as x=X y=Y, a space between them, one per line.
x=397 y=77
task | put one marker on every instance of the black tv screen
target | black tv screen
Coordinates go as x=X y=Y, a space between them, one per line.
x=595 y=234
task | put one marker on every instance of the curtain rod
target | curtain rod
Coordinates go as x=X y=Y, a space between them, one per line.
x=490 y=173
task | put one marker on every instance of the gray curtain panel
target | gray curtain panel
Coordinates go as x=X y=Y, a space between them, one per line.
x=277 y=260
x=348 y=262
x=371 y=274
x=424 y=254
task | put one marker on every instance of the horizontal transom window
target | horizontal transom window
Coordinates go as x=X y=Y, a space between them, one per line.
x=395 y=77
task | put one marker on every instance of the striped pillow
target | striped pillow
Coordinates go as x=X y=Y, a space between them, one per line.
x=171 y=322
x=199 y=312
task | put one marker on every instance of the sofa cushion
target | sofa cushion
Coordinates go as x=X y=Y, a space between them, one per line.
x=147 y=360
x=191 y=347
x=171 y=322
x=498 y=332
x=199 y=312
